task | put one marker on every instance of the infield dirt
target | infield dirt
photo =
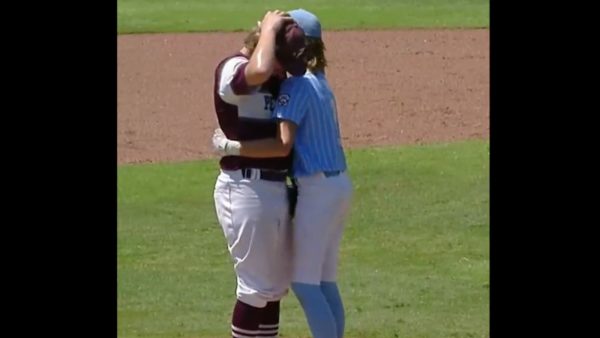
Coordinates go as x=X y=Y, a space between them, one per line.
x=392 y=87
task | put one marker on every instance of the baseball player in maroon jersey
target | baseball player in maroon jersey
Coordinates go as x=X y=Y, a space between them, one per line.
x=250 y=193
x=308 y=127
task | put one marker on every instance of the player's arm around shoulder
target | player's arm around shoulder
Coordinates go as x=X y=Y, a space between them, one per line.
x=280 y=146
x=260 y=66
x=290 y=107
x=263 y=60
x=289 y=110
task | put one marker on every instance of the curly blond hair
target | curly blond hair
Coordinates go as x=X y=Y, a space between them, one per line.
x=251 y=40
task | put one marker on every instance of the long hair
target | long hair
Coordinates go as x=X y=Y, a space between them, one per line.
x=315 y=54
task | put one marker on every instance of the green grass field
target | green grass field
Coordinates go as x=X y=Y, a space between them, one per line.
x=151 y=16
x=414 y=259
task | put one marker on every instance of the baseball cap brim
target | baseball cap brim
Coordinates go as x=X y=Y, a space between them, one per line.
x=307 y=21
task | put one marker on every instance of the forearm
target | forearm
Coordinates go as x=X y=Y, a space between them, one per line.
x=261 y=63
x=279 y=146
x=268 y=147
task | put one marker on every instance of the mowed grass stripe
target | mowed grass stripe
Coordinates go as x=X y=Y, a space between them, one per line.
x=162 y=16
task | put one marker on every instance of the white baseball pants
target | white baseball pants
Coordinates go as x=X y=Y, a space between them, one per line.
x=255 y=220
x=322 y=209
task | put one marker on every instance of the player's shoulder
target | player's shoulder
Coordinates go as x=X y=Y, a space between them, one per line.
x=291 y=87
x=238 y=58
x=232 y=61
x=296 y=82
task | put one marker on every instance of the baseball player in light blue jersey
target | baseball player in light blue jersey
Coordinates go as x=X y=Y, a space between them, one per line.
x=308 y=125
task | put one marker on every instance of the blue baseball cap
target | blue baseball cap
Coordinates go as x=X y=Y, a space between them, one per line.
x=307 y=21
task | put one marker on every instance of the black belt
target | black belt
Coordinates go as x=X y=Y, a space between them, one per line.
x=332 y=173
x=267 y=175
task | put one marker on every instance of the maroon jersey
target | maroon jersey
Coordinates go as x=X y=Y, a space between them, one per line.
x=245 y=112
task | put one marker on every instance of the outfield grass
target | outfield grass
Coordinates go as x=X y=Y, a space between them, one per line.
x=154 y=16
x=414 y=259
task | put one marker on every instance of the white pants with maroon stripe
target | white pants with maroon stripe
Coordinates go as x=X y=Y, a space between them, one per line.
x=322 y=209
x=254 y=216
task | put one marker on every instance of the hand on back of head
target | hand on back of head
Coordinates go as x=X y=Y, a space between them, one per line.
x=274 y=20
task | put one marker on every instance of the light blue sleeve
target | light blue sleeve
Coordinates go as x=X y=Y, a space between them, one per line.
x=291 y=103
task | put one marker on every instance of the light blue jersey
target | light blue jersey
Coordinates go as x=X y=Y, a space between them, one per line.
x=309 y=102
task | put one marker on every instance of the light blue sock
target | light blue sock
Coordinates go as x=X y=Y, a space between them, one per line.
x=332 y=295
x=316 y=309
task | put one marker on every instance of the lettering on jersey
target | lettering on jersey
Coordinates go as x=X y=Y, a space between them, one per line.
x=283 y=99
x=269 y=103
